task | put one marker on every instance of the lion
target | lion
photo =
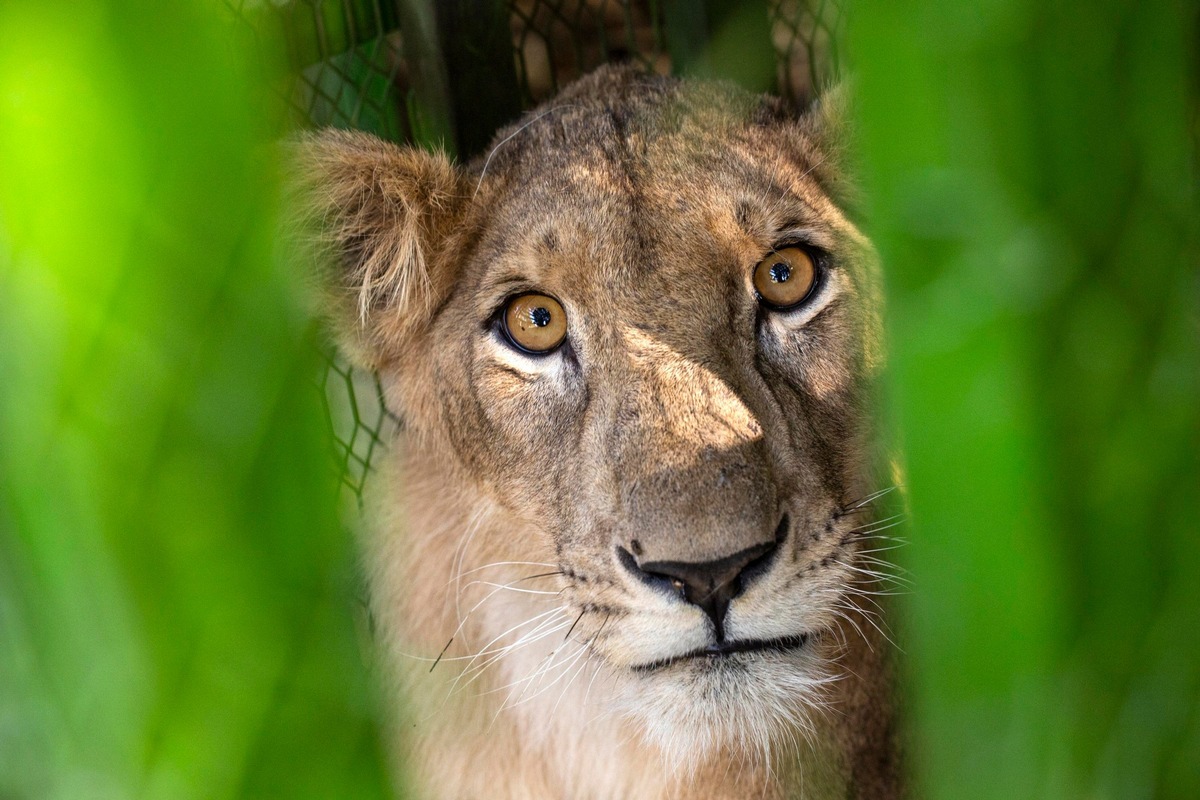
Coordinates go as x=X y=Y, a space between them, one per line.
x=621 y=547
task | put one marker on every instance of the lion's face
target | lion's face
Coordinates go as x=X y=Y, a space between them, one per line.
x=662 y=504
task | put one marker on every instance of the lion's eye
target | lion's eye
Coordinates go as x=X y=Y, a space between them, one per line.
x=535 y=323
x=785 y=278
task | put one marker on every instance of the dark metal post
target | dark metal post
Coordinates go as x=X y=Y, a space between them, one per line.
x=477 y=46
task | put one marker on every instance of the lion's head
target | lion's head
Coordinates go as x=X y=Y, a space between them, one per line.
x=632 y=347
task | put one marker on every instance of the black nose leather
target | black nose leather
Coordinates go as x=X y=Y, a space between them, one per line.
x=711 y=585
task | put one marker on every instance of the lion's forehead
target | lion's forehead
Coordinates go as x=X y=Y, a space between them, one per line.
x=610 y=219
x=607 y=161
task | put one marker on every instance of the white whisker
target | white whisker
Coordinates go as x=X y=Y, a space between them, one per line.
x=509 y=587
x=506 y=139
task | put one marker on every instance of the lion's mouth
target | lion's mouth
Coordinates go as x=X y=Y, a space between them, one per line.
x=721 y=650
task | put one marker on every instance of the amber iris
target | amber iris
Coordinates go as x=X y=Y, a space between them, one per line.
x=535 y=323
x=785 y=277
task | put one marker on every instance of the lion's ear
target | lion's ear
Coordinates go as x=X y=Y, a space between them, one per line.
x=378 y=214
x=829 y=125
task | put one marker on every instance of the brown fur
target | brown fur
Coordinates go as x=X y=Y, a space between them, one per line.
x=680 y=420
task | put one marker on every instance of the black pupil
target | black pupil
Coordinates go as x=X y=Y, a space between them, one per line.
x=539 y=317
x=780 y=272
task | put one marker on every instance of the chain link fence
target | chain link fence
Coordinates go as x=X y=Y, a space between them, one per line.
x=448 y=73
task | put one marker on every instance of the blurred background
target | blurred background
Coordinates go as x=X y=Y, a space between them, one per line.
x=181 y=455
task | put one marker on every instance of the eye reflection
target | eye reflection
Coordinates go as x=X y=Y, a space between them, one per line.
x=535 y=323
x=785 y=278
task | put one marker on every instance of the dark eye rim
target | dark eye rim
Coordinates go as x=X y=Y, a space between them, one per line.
x=500 y=324
x=819 y=260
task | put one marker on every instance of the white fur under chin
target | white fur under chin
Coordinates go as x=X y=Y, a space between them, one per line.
x=752 y=711
x=746 y=713
x=751 y=707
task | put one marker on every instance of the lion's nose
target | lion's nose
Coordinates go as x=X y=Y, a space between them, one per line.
x=711 y=585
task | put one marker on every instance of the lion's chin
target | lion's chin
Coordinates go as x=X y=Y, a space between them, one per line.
x=745 y=705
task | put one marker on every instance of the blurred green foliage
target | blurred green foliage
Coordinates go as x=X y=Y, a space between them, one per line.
x=175 y=588
x=177 y=596
x=1034 y=188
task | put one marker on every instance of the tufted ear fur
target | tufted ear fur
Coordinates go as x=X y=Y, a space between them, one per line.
x=379 y=214
x=829 y=123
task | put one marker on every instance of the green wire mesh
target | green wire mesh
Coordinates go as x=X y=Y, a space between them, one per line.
x=365 y=64
x=359 y=419
x=345 y=61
